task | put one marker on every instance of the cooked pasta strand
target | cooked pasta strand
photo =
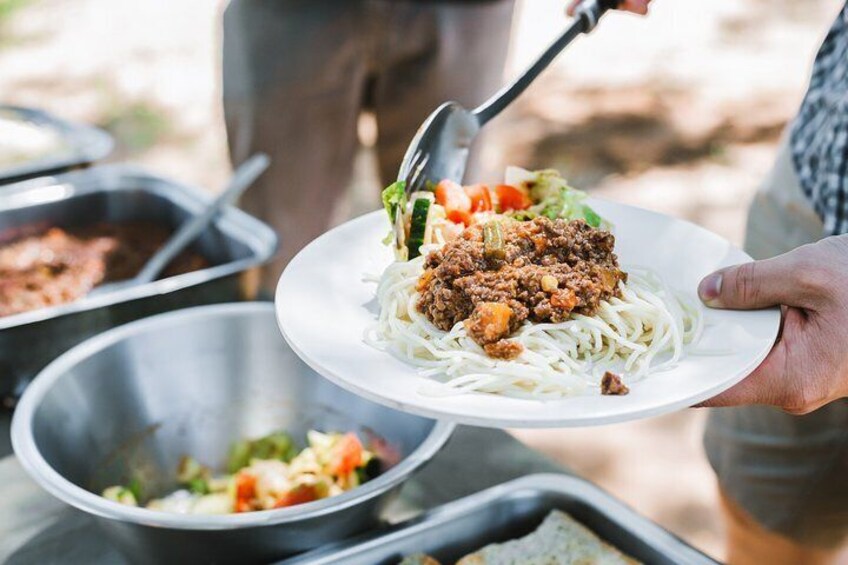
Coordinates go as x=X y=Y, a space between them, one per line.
x=643 y=331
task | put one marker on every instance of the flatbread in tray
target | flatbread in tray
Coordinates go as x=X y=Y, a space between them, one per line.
x=559 y=540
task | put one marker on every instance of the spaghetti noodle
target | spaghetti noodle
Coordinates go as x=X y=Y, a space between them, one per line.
x=642 y=331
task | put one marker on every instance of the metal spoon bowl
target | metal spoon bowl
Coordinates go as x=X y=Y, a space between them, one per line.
x=440 y=148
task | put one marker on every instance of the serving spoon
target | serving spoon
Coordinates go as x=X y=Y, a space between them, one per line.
x=243 y=177
x=440 y=147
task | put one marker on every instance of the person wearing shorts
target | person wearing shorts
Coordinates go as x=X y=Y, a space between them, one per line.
x=783 y=469
x=778 y=440
x=783 y=477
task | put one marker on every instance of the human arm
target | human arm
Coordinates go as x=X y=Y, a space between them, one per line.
x=635 y=6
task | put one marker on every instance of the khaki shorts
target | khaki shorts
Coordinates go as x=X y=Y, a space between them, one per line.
x=790 y=473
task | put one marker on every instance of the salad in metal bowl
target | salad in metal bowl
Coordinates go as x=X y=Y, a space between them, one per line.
x=265 y=473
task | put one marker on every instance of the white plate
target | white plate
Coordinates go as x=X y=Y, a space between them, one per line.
x=324 y=307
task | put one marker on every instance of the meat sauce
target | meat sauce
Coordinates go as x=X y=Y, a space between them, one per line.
x=547 y=271
x=62 y=265
x=612 y=385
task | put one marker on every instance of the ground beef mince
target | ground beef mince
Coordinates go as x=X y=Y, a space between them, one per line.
x=59 y=265
x=505 y=349
x=611 y=385
x=550 y=269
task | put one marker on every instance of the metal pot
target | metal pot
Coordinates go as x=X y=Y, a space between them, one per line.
x=130 y=402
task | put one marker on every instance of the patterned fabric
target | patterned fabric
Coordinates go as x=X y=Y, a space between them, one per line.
x=819 y=134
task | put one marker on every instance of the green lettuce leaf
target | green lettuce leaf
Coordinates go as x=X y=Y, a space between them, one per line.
x=394 y=196
x=592 y=218
x=553 y=197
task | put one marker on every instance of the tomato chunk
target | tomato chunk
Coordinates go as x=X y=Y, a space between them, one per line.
x=456 y=202
x=347 y=455
x=512 y=198
x=481 y=198
x=245 y=491
x=460 y=217
x=298 y=495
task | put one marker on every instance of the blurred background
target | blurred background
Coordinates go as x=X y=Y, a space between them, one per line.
x=679 y=112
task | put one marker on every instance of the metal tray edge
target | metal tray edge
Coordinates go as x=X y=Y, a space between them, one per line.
x=580 y=488
x=232 y=221
x=88 y=144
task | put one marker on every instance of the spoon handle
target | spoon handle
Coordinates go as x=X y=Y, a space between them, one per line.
x=587 y=16
x=192 y=228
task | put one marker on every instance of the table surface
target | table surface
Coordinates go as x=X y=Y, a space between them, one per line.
x=37 y=528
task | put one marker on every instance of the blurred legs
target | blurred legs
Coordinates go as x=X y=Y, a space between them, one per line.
x=293 y=81
x=454 y=51
x=784 y=493
x=295 y=78
x=748 y=543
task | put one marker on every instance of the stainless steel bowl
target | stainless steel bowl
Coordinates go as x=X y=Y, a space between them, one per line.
x=235 y=243
x=132 y=401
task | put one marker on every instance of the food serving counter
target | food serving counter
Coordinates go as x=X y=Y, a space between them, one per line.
x=129 y=405
x=36 y=528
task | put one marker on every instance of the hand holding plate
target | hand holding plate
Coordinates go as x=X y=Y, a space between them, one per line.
x=808 y=366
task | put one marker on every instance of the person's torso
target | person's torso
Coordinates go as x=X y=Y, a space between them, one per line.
x=819 y=133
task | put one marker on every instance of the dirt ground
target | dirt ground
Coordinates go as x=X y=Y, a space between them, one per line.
x=680 y=112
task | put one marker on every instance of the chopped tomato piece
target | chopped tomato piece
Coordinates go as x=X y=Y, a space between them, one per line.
x=460 y=217
x=540 y=243
x=456 y=202
x=347 y=455
x=245 y=491
x=298 y=495
x=451 y=195
x=512 y=198
x=481 y=198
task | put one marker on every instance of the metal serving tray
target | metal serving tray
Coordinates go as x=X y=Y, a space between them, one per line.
x=82 y=145
x=234 y=243
x=509 y=511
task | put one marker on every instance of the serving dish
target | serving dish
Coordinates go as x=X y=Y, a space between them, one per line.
x=327 y=305
x=234 y=243
x=506 y=512
x=131 y=401
x=76 y=145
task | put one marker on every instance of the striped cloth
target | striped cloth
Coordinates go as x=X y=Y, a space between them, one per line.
x=819 y=134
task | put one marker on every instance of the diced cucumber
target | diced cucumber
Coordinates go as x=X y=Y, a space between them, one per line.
x=418 y=226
